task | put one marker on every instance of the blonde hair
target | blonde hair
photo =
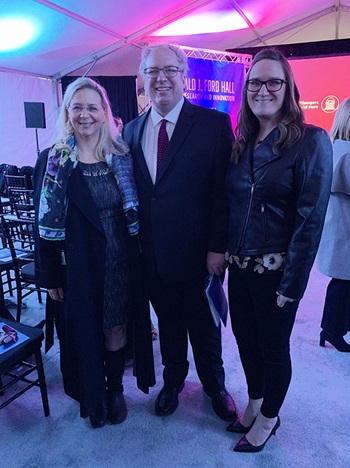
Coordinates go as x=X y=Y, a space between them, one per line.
x=341 y=124
x=107 y=142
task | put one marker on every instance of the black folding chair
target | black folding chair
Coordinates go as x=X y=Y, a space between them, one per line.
x=19 y=181
x=22 y=203
x=15 y=365
x=21 y=247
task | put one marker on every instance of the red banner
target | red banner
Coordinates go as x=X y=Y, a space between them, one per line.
x=323 y=84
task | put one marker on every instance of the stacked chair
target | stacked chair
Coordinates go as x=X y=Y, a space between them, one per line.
x=18 y=238
x=18 y=181
x=17 y=235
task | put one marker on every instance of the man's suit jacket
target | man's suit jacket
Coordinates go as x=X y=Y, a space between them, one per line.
x=185 y=213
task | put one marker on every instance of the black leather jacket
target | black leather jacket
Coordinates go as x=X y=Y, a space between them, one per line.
x=279 y=205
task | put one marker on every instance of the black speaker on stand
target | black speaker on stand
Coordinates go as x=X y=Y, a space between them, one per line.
x=35 y=118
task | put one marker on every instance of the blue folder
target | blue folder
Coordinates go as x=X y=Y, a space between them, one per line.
x=216 y=296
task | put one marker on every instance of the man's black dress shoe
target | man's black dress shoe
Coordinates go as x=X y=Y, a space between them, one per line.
x=238 y=428
x=117 y=410
x=244 y=446
x=224 y=406
x=98 y=418
x=167 y=400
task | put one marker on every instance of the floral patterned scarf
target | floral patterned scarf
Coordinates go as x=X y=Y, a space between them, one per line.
x=53 y=199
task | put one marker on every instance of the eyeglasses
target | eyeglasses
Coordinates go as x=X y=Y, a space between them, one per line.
x=169 y=72
x=77 y=109
x=271 y=85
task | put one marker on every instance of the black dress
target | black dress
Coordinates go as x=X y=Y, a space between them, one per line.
x=108 y=201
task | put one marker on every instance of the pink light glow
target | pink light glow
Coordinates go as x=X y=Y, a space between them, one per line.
x=204 y=23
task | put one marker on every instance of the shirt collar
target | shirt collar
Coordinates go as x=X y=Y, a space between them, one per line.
x=172 y=116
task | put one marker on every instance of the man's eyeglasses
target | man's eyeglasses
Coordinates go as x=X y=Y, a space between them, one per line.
x=271 y=85
x=77 y=109
x=169 y=72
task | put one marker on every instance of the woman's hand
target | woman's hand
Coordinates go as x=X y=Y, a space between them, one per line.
x=56 y=294
x=216 y=263
x=281 y=300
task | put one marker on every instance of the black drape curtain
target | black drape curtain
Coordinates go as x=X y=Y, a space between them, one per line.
x=121 y=91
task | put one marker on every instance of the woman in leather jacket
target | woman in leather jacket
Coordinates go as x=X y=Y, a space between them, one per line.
x=278 y=185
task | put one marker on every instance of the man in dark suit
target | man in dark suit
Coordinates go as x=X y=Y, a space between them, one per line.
x=183 y=219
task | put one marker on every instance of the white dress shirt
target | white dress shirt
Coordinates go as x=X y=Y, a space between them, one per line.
x=149 y=140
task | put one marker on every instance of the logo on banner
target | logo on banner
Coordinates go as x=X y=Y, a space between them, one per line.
x=216 y=85
x=330 y=104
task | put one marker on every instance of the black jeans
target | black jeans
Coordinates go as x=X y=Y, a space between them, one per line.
x=336 y=311
x=183 y=312
x=262 y=330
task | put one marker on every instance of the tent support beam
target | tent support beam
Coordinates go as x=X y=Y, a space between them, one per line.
x=20 y=72
x=133 y=38
x=246 y=19
x=291 y=26
x=75 y=16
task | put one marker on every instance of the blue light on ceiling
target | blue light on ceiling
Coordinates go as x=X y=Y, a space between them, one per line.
x=15 y=33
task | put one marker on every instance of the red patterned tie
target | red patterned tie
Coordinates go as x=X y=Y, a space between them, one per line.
x=163 y=141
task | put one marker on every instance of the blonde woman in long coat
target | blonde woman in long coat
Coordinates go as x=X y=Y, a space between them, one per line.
x=333 y=257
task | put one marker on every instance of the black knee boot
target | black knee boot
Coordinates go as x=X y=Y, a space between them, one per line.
x=114 y=365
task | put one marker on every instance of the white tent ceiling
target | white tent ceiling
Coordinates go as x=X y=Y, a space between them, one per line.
x=73 y=34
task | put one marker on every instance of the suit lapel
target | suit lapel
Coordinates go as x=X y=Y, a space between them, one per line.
x=182 y=128
x=138 y=155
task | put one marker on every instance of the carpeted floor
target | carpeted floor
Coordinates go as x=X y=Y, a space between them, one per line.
x=314 y=428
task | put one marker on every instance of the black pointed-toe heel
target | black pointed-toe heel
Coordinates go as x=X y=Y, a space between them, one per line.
x=244 y=446
x=337 y=341
x=238 y=428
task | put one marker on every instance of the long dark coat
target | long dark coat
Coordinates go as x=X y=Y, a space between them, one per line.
x=79 y=319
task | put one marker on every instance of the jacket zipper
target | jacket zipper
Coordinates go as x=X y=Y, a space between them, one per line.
x=252 y=188
x=264 y=221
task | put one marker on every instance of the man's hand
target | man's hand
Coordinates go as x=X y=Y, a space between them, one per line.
x=216 y=263
x=56 y=294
